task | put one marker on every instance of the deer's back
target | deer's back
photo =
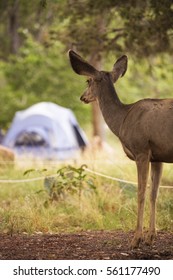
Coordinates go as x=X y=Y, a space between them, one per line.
x=148 y=125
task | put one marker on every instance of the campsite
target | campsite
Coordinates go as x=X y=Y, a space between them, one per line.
x=86 y=122
x=47 y=131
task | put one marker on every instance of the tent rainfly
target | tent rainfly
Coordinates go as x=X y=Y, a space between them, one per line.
x=45 y=130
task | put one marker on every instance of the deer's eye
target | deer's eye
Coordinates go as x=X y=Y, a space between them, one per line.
x=88 y=81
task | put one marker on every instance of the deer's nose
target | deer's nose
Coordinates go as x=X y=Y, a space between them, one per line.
x=83 y=99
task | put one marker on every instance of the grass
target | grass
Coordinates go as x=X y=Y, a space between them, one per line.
x=112 y=206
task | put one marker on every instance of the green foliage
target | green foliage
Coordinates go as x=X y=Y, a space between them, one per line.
x=39 y=74
x=165 y=206
x=148 y=26
x=110 y=206
x=42 y=30
x=69 y=180
x=146 y=79
x=143 y=28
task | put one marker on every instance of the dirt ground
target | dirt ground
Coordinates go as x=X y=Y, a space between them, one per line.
x=86 y=245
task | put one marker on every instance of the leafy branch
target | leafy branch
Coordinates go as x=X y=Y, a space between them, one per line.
x=69 y=180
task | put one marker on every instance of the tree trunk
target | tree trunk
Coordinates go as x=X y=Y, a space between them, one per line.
x=13 y=27
x=97 y=119
x=96 y=60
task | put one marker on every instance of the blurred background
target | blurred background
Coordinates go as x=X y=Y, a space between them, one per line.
x=36 y=35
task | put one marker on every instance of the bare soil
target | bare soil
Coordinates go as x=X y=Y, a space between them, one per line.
x=86 y=245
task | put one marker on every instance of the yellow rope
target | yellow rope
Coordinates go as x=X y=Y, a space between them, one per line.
x=120 y=180
x=9 y=181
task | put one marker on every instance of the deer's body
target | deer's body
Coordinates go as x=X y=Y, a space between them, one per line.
x=145 y=129
x=151 y=128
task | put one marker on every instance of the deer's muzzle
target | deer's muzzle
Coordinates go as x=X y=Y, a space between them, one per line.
x=83 y=99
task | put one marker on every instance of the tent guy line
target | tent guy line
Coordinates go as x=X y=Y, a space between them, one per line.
x=6 y=181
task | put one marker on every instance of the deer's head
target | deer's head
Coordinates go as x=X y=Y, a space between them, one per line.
x=96 y=78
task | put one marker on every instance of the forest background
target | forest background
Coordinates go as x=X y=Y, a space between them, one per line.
x=36 y=35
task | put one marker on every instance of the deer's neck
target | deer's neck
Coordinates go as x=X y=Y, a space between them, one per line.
x=113 y=110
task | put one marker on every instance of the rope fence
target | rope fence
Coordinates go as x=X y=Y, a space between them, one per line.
x=11 y=181
x=121 y=180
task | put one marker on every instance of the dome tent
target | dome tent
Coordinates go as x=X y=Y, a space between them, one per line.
x=45 y=130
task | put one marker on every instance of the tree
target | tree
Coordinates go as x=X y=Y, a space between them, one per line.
x=148 y=27
x=19 y=17
x=85 y=30
x=94 y=28
x=140 y=27
x=38 y=73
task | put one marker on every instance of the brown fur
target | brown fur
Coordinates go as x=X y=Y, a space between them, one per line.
x=145 y=129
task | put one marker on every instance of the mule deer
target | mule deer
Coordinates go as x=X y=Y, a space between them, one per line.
x=145 y=129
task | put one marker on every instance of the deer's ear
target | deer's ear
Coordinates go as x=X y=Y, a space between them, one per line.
x=80 y=66
x=119 y=68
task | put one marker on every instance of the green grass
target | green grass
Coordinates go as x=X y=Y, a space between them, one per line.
x=112 y=206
